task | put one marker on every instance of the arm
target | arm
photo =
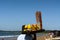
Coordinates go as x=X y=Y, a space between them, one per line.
x=34 y=37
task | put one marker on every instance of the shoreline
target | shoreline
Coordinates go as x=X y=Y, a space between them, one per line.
x=37 y=38
x=15 y=37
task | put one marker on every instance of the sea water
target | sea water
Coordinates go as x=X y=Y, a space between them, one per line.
x=9 y=35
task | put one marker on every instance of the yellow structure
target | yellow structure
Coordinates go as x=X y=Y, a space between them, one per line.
x=33 y=27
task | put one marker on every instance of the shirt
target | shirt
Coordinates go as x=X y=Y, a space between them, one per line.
x=24 y=37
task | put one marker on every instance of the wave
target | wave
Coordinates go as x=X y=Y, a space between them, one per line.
x=9 y=36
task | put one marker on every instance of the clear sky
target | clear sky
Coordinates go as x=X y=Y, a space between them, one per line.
x=15 y=13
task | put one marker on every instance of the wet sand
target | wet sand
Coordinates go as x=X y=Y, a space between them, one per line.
x=13 y=38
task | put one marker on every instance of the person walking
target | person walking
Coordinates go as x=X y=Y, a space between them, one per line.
x=27 y=35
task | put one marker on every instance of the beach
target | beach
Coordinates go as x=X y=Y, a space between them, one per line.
x=12 y=38
x=9 y=37
x=42 y=37
x=15 y=38
x=38 y=38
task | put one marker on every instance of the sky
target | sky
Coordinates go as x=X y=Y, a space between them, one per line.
x=15 y=13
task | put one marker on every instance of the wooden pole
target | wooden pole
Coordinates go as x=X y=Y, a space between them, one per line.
x=39 y=19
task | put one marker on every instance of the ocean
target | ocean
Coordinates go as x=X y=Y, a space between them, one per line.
x=7 y=33
x=10 y=33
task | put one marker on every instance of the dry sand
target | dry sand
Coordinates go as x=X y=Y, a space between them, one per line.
x=42 y=37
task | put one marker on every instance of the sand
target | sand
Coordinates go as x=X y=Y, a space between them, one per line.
x=42 y=37
x=13 y=38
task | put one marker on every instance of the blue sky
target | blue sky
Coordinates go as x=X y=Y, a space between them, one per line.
x=15 y=13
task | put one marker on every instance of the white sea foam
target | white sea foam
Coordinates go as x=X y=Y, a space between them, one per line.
x=9 y=36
